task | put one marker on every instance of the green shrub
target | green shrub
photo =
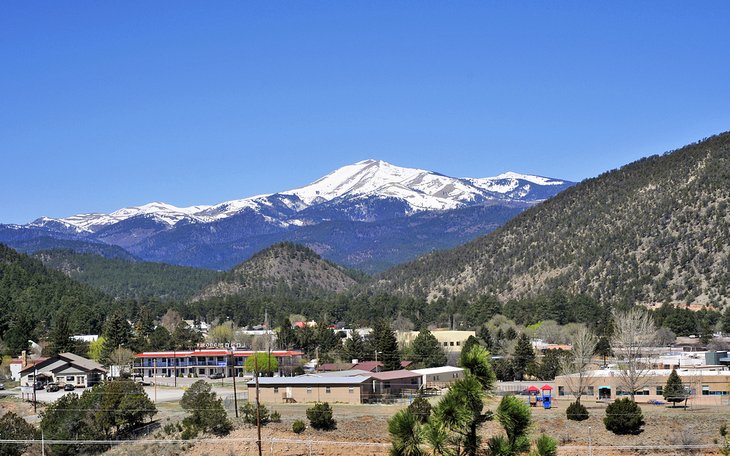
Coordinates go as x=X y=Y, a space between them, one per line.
x=298 y=426
x=420 y=408
x=275 y=417
x=624 y=416
x=545 y=446
x=320 y=416
x=248 y=410
x=576 y=412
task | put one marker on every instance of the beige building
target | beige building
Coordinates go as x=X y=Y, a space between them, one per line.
x=439 y=377
x=311 y=388
x=706 y=385
x=451 y=341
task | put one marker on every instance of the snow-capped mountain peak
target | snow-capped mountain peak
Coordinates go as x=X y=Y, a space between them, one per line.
x=418 y=189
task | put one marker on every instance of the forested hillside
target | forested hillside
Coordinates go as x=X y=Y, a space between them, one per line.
x=284 y=269
x=32 y=296
x=122 y=278
x=655 y=230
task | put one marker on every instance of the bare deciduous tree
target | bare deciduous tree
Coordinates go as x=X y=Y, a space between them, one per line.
x=634 y=332
x=121 y=357
x=578 y=366
x=170 y=320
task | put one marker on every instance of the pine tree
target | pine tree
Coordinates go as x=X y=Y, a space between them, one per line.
x=60 y=336
x=674 y=390
x=427 y=351
x=726 y=321
x=382 y=341
x=354 y=348
x=117 y=333
x=523 y=357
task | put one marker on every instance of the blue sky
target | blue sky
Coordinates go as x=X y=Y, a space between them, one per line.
x=110 y=104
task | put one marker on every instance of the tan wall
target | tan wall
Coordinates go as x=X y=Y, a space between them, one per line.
x=443 y=379
x=714 y=384
x=450 y=341
x=304 y=394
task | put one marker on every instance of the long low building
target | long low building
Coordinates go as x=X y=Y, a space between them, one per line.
x=205 y=362
x=352 y=387
x=706 y=385
x=439 y=377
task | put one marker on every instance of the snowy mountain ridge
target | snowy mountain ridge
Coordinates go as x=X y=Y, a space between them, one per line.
x=419 y=189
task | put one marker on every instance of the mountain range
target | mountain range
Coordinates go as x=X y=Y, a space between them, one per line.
x=654 y=231
x=369 y=215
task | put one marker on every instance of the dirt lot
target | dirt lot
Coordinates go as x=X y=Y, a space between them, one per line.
x=362 y=430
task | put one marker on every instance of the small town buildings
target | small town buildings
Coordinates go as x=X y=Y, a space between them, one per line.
x=205 y=362
x=439 y=377
x=450 y=340
x=64 y=368
x=706 y=385
x=312 y=388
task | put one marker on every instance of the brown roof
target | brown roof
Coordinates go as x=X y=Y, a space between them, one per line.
x=394 y=375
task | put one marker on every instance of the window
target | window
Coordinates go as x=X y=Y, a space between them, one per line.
x=446 y=344
x=659 y=390
x=327 y=389
x=451 y=343
x=458 y=343
x=276 y=389
x=351 y=389
x=70 y=378
x=705 y=390
x=561 y=391
x=590 y=391
x=309 y=390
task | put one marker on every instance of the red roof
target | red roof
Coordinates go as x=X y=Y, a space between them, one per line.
x=239 y=353
x=533 y=388
x=546 y=387
x=372 y=366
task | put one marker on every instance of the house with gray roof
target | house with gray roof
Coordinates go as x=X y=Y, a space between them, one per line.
x=63 y=369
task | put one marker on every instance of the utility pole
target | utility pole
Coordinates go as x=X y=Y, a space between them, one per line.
x=235 y=396
x=258 y=406
x=154 y=376
x=35 y=383
x=174 y=365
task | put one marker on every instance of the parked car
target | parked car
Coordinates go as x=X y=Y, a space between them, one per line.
x=69 y=387
x=38 y=386
x=215 y=375
x=52 y=387
x=2 y=386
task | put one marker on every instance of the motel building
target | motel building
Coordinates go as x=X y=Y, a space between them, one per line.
x=206 y=362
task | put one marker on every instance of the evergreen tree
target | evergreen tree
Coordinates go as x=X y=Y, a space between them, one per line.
x=523 y=357
x=725 y=323
x=427 y=351
x=383 y=342
x=674 y=390
x=159 y=339
x=21 y=329
x=286 y=337
x=327 y=339
x=469 y=343
x=205 y=410
x=117 y=333
x=60 y=337
x=185 y=337
x=354 y=348
x=486 y=337
x=145 y=323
